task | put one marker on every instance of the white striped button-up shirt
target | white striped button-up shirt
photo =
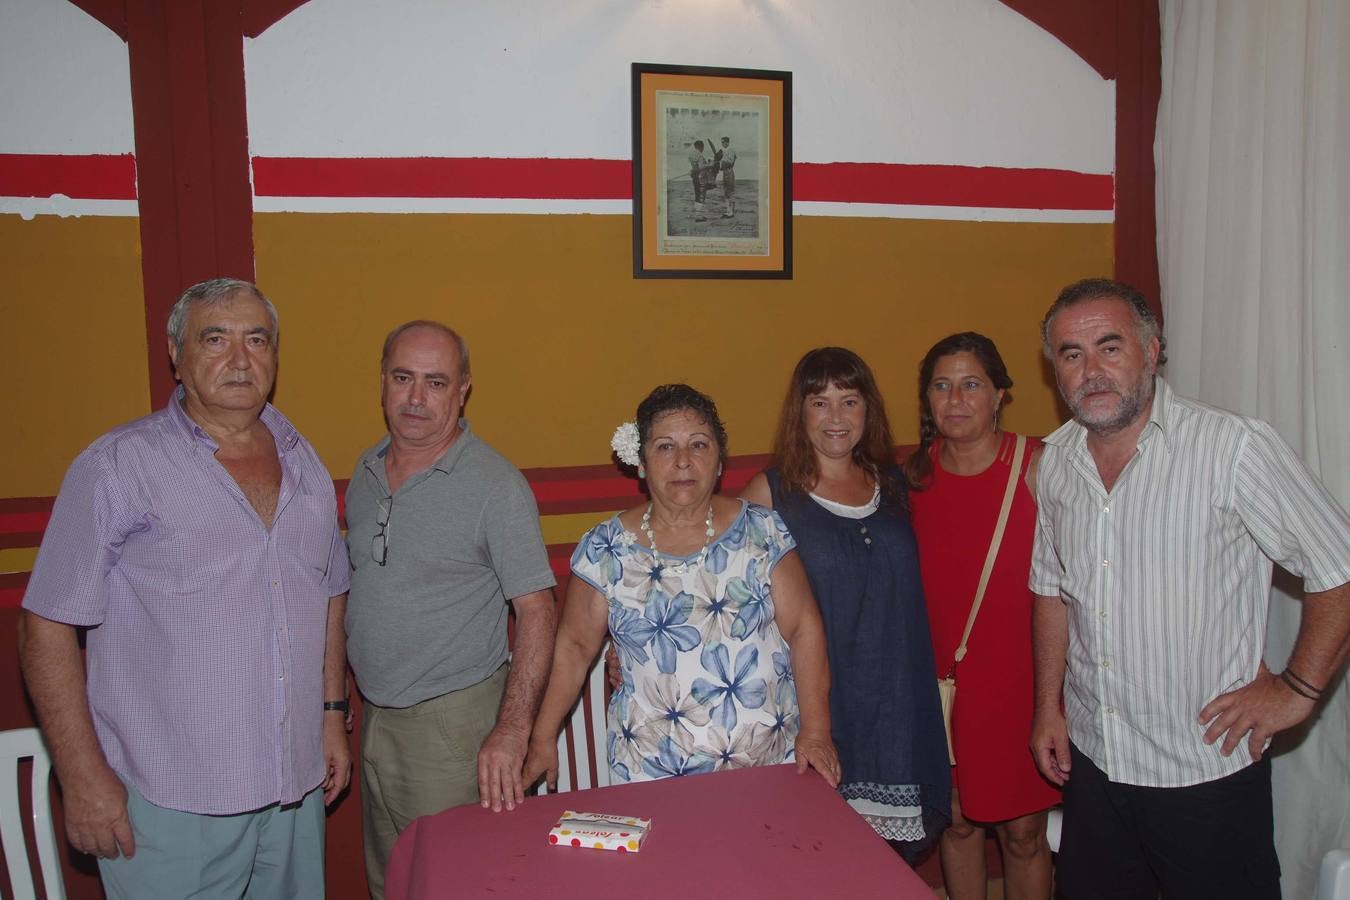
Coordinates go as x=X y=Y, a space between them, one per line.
x=1167 y=578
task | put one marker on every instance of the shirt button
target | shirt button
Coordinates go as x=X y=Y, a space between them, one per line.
x=863 y=530
x=1106 y=664
x=281 y=678
x=1106 y=563
x=1106 y=509
x=1102 y=614
x=1110 y=710
x=867 y=540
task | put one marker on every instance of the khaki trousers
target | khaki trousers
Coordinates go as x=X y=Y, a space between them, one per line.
x=420 y=761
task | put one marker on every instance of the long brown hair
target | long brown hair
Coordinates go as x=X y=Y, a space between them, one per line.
x=919 y=465
x=817 y=371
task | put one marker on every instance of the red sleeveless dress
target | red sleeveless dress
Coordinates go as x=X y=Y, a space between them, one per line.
x=991 y=723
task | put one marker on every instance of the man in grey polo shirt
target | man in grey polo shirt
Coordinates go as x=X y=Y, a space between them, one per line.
x=443 y=532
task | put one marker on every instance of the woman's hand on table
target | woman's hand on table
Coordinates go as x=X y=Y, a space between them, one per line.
x=541 y=760
x=819 y=754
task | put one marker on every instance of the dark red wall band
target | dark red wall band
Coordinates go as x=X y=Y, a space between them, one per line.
x=1121 y=39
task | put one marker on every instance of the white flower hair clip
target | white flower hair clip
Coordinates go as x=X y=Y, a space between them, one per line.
x=625 y=444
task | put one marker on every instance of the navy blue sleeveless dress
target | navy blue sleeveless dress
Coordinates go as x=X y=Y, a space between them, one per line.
x=884 y=708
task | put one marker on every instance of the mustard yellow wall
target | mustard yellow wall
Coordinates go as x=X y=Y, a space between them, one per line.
x=565 y=342
x=72 y=342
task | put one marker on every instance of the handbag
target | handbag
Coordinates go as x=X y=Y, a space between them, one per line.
x=947 y=686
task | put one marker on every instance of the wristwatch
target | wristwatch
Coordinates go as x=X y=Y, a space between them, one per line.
x=341 y=706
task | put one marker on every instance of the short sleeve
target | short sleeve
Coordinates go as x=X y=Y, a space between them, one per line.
x=1046 y=569
x=339 y=566
x=81 y=545
x=768 y=529
x=515 y=543
x=597 y=559
x=1291 y=516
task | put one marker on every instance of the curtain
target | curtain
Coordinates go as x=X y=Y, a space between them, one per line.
x=1253 y=190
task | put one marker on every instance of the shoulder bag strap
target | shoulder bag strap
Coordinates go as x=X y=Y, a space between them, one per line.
x=1013 y=476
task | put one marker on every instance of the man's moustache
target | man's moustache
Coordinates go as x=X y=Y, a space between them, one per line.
x=1095 y=386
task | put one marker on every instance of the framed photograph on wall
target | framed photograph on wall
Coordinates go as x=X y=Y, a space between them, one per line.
x=712 y=172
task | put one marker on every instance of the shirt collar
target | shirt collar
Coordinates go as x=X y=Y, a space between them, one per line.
x=1162 y=417
x=374 y=458
x=283 y=432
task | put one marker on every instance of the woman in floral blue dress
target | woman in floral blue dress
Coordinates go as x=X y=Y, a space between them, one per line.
x=720 y=642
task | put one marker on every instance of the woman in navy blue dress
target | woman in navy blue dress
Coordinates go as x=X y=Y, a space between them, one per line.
x=835 y=483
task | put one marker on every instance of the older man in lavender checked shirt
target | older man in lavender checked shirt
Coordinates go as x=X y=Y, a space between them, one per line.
x=199 y=546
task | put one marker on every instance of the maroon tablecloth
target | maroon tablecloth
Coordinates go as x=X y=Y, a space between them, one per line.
x=765 y=832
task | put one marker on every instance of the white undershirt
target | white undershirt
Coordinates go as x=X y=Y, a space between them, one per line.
x=851 y=512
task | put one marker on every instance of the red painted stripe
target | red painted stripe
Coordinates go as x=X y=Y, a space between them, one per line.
x=87 y=177
x=952 y=186
x=10 y=540
x=536 y=179
x=12 y=586
x=114 y=178
x=610 y=179
x=26 y=504
x=10 y=523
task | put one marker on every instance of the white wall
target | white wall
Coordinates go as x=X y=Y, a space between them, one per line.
x=65 y=85
x=961 y=82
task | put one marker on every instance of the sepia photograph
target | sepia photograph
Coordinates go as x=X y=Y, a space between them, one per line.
x=711 y=172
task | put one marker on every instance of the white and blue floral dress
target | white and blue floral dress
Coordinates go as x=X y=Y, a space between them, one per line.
x=707 y=679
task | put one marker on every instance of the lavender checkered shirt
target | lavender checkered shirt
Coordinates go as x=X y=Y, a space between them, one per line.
x=206 y=665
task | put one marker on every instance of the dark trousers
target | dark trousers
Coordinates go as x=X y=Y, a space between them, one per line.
x=1124 y=842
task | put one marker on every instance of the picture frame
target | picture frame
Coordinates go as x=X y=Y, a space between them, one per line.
x=719 y=211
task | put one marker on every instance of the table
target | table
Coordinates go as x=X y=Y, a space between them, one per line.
x=747 y=833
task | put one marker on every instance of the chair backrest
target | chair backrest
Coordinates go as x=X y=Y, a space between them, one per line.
x=15 y=745
x=587 y=741
x=1333 y=881
x=1054 y=827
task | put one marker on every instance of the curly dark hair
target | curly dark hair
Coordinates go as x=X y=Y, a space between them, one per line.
x=817 y=371
x=1145 y=320
x=919 y=465
x=670 y=398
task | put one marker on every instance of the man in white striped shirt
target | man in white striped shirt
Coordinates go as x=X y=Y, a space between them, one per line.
x=1159 y=521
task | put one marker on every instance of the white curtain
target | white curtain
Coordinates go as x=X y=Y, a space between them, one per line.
x=1253 y=188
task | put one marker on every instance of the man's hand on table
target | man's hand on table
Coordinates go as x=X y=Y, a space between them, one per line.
x=499 y=768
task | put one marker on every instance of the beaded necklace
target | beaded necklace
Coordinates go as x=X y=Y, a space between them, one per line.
x=651 y=538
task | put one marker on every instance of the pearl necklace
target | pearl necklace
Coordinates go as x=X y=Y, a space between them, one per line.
x=651 y=538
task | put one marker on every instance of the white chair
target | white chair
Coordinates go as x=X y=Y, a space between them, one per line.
x=15 y=745
x=588 y=744
x=1333 y=883
x=1054 y=827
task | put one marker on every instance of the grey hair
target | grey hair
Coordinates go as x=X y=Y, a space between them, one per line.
x=213 y=293
x=444 y=329
x=1145 y=320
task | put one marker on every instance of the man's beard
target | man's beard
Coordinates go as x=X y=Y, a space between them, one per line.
x=1132 y=402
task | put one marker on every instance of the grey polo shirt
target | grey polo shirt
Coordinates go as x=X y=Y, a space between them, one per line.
x=463 y=538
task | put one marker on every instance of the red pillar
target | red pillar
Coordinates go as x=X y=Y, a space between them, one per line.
x=1122 y=40
x=191 y=130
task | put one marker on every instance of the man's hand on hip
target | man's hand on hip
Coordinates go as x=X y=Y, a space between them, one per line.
x=96 y=814
x=1262 y=708
x=499 y=763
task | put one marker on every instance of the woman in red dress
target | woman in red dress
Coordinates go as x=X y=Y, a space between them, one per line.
x=958 y=477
